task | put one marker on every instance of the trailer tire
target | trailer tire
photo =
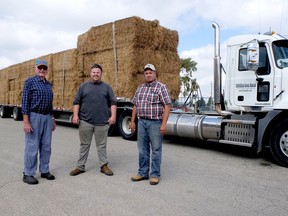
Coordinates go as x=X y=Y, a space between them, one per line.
x=279 y=143
x=17 y=115
x=113 y=130
x=4 y=112
x=124 y=125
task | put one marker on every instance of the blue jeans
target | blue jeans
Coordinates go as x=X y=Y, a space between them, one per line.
x=149 y=136
x=38 y=141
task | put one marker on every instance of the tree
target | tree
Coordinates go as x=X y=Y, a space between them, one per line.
x=201 y=102
x=210 y=102
x=188 y=66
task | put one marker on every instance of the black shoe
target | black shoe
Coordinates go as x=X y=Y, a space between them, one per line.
x=48 y=176
x=30 y=180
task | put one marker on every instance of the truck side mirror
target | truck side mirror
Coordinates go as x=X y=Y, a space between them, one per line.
x=252 y=55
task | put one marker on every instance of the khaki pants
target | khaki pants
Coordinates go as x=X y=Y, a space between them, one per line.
x=86 y=132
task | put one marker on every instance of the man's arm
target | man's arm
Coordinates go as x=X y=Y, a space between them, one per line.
x=165 y=118
x=112 y=119
x=133 y=118
x=75 y=119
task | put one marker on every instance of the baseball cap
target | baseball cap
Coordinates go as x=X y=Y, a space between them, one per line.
x=41 y=62
x=149 y=66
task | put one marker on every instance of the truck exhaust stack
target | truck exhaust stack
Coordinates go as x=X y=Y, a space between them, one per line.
x=217 y=69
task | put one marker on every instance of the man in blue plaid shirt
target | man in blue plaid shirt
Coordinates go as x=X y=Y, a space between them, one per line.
x=38 y=123
x=152 y=106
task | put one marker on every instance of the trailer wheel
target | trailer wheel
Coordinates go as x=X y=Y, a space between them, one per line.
x=279 y=143
x=124 y=126
x=17 y=115
x=113 y=130
x=4 y=112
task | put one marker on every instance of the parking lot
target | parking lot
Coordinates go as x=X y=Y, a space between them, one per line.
x=197 y=179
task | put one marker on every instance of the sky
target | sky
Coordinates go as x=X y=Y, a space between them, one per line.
x=35 y=28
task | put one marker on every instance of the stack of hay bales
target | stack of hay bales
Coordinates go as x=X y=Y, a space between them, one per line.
x=3 y=86
x=67 y=77
x=123 y=48
x=12 y=82
x=15 y=78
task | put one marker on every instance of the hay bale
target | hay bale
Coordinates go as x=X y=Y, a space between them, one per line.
x=122 y=47
x=66 y=78
x=4 y=86
x=14 y=84
x=137 y=42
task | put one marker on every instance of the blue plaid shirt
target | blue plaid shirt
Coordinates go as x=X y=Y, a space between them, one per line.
x=37 y=95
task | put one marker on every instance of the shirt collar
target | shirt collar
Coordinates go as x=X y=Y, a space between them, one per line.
x=96 y=83
x=152 y=84
x=39 y=80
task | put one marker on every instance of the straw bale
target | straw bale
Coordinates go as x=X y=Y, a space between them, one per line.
x=167 y=66
x=137 y=42
x=67 y=76
x=95 y=39
x=14 y=84
x=13 y=78
x=122 y=47
x=138 y=32
x=132 y=31
x=3 y=86
x=129 y=72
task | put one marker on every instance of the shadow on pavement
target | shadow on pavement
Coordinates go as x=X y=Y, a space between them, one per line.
x=238 y=151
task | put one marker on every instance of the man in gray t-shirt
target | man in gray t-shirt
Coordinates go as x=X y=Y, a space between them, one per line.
x=94 y=109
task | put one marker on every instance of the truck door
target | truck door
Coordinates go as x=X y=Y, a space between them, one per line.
x=280 y=52
x=253 y=88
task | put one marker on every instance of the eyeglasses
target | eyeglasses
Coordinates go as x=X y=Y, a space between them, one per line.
x=42 y=67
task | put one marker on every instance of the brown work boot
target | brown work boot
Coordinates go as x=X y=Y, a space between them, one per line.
x=76 y=171
x=154 y=180
x=106 y=170
x=139 y=178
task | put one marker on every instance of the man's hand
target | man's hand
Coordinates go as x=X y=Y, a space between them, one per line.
x=132 y=126
x=75 y=119
x=27 y=127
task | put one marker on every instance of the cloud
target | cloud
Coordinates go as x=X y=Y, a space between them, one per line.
x=49 y=26
x=234 y=18
x=204 y=56
x=35 y=28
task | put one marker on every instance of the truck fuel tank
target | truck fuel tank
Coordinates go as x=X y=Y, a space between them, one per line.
x=195 y=126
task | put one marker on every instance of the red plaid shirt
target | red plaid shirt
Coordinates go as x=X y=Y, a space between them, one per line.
x=150 y=99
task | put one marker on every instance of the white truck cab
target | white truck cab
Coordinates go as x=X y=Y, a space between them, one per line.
x=265 y=88
x=253 y=109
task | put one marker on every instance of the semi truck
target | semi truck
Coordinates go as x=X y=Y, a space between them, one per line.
x=251 y=110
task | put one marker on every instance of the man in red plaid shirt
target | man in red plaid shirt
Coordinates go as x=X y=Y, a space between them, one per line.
x=152 y=107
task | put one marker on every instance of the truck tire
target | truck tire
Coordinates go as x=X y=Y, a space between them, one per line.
x=124 y=125
x=4 y=112
x=113 y=130
x=17 y=115
x=279 y=143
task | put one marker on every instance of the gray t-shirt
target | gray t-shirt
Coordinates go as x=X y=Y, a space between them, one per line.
x=95 y=100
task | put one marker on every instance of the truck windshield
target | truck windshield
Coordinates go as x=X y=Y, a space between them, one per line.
x=280 y=49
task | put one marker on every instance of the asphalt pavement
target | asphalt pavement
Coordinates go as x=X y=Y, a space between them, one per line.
x=197 y=179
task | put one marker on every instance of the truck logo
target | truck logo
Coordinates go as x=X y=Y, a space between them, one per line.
x=245 y=85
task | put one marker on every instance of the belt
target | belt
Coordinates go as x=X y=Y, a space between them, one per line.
x=150 y=119
x=40 y=112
